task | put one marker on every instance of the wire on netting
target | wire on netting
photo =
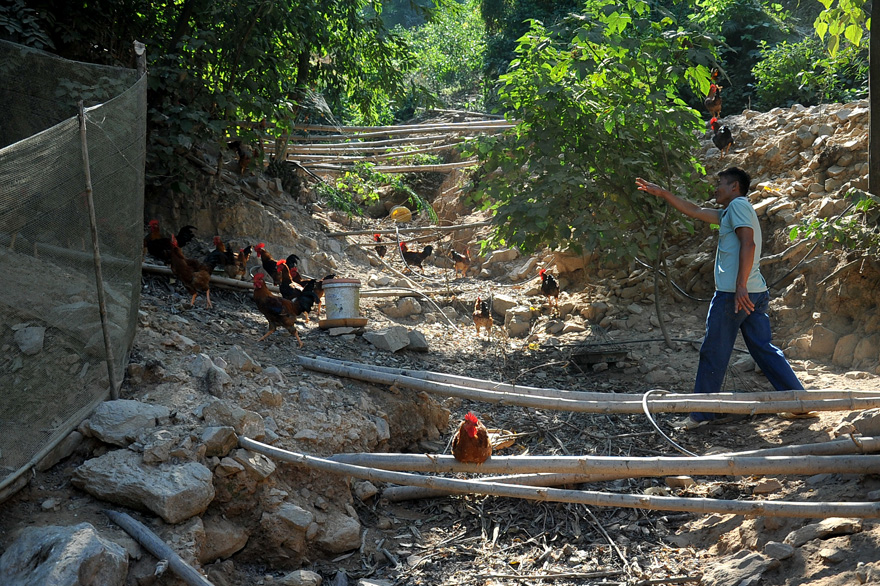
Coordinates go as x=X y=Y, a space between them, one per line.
x=657 y=427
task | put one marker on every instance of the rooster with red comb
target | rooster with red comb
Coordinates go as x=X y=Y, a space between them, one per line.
x=471 y=445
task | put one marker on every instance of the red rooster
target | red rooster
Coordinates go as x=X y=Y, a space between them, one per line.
x=297 y=278
x=722 y=138
x=381 y=249
x=270 y=266
x=234 y=263
x=279 y=311
x=159 y=246
x=550 y=289
x=194 y=275
x=482 y=316
x=713 y=100
x=462 y=262
x=413 y=258
x=470 y=445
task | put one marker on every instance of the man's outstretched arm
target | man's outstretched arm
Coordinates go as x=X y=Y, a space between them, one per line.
x=708 y=215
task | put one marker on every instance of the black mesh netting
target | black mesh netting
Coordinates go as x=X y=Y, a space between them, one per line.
x=53 y=364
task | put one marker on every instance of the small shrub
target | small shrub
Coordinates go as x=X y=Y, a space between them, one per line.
x=806 y=74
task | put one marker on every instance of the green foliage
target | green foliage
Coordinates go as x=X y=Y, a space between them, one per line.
x=505 y=22
x=745 y=26
x=450 y=51
x=597 y=105
x=845 y=19
x=358 y=188
x=214 y=62
x=806 y=74
x=22 y=24
x=856 y=231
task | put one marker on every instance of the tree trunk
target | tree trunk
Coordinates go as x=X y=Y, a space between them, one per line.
x=874 y=105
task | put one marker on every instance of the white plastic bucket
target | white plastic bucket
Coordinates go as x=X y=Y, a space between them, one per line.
x=342 y=298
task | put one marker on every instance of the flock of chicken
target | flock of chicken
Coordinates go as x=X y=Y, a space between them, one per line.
x=299 y=295
x=722 y=137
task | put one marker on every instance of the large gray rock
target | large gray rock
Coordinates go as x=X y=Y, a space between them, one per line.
x=389 y=339
x=30 y=340
x=822 y=529
x=743 y=568
x=174 y=492
x=63 y=556
x=339 y=533
x=223 y=538
x=120 y=422
x=244 y=422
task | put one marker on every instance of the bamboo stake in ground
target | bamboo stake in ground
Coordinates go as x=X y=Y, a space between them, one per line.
x=819 y=510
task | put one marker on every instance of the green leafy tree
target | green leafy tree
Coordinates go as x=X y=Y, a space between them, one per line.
x=215 y=61
x=744 y=27
x=597 y=104
x=805 y=73
x=508 y=20
x=845 y=21
x=450 y=50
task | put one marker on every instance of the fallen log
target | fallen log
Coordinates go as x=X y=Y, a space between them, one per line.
x=410 y=230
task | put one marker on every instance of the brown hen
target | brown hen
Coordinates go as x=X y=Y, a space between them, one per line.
x=470 y=445
x=194 y=275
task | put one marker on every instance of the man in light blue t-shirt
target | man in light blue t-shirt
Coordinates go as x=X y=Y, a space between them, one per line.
x=741 y=300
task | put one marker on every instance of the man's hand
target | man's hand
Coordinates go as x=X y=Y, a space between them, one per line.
x=648 y=187
x=742 y=301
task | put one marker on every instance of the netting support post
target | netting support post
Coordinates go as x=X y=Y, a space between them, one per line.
x=99 y=278
x=140 y=51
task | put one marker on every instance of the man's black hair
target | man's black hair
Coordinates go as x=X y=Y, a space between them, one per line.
x=738 y=175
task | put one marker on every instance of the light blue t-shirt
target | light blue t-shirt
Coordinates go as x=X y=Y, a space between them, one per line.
x=738 y=213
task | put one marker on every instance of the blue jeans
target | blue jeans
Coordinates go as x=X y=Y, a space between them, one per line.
x=722 y=324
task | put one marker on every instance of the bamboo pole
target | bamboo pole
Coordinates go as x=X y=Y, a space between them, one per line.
x=632 y=405
x=629 y=467
x=215 y=279
x=791 y=395
x=409 y=493
x=590 y=498
x=445 y=127
x=96 y=252
x=366 y=147
x=160 y=550
x=442 y=168
x=849 y=445
x=313 y=159
x=410 y=230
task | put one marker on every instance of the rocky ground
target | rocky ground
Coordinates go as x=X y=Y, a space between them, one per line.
x=200 y=378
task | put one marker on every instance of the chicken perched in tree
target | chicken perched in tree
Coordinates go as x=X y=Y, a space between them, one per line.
x=270 y=266
x=159 y=246
x=194 y=275
x=279 y=311
x=381 y=249
x=722 y=138
x=550 y=289
x=471 y=445
x=413 y=258
x=234 y=264
x=462 y=262
x=482 y=316
x=713 y=100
